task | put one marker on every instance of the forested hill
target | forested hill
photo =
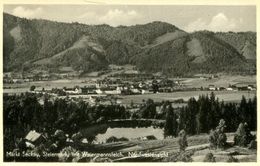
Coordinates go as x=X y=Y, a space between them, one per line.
x=153 y=47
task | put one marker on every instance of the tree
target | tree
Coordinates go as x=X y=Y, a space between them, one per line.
x=243 y=109
x=213 y=139
x=170 y=128
x=148 y=111
x=212 y=114
x=243 y=136
x=218 y=138
x=32 y=88
x=191 y=110
x=182 y=120
x=222 y=138
x=253 y=114
x=155 y=86
x=202 y=116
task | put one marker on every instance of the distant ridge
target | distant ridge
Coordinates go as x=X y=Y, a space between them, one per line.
x=153 y=47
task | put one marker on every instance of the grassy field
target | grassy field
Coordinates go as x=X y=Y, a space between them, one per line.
x=222 y=95
x=69 y=83
x=224 y=81
x=198 y=144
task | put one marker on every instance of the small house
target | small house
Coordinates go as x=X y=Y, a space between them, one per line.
x=251 y=87
x=72 y=90
x=35 y=138
x=88 y=90
x=212 y=87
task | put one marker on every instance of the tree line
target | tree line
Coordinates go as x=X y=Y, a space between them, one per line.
x=25 y=112
x=202 y=115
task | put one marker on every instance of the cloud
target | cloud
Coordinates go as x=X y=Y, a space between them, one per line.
x=112 y=17
x=219 y=22
x=27 y=13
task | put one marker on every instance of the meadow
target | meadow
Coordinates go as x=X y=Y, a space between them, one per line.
x=227 y=96
x=198 y=146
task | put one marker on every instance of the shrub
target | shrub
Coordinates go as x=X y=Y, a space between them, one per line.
x=243 y=135
x=59 y=134
x=232 y=159
x=76 y=137
x=209 y=158
x=182 y=140
x=111 y=139
x=218 y=138
x=252 y=145
x=213 y=137
x=32 y=88
x=184 y=156
x=115 y=139
x=222 y=140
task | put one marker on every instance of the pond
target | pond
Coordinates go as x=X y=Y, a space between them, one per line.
x=130 y=129
x=130 y=133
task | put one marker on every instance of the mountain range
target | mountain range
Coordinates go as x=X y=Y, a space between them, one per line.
x=42 y=45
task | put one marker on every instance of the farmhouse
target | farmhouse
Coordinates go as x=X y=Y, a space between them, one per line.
x=243 y=86
x=72 y=90
x=88 y=90
x=135 y=91
x=35 y=138
x=146 y=91
x=116 y=91
x=251 y=87
x=230 y=88
x=212 y=87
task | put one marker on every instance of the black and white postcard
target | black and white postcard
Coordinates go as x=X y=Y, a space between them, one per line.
x=100 y=82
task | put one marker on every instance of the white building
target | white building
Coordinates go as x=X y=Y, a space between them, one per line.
x=229 y=89
x=114 y=92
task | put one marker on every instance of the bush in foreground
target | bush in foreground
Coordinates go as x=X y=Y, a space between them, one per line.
x=183 y=143
x=185 y=156
x=232 y=159
x=252 y=145
x=243 y=136
x=209 y=158
x=115 y=139
x=218 y=138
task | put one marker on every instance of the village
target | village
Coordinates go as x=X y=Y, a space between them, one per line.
x=108 y=90
x=123 y=84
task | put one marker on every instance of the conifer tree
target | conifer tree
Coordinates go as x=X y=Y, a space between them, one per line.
x=170 y=128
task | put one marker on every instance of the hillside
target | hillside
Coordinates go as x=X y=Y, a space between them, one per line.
x=153 y=47
x=244 y=42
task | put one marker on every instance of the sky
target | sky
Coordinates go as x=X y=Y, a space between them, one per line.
x=188 y=18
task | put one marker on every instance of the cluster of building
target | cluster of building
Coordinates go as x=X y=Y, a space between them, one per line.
x=145 y=88
x=125 y=88
x=236 y=87
x=18 y=78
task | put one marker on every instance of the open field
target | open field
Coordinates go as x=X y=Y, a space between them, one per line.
x=69 y=83
x=222 y=81
x=198 y=144
x=222 y=95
